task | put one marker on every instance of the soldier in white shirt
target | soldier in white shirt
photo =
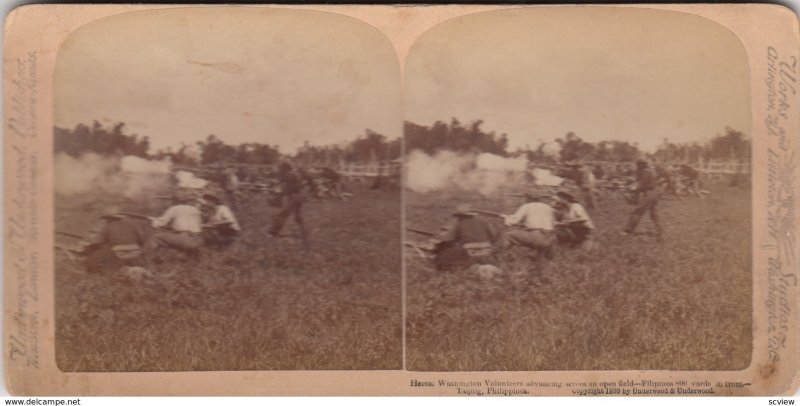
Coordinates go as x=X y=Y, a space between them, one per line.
x=221 y=228
x=179 y=227
x=574 y=226
x=537 y=227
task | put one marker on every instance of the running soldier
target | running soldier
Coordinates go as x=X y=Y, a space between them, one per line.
x=649 y=193
x=293 y=199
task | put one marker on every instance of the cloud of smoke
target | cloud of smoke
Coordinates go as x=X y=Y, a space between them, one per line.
x=483 y=173
x=544 y=177
x=127 y=176
x=188 y=180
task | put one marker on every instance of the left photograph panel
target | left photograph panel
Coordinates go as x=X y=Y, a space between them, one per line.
x=227 y=193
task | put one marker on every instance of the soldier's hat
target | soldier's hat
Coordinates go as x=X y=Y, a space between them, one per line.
x=535 y=196
x=463 y=210
x=111 y=213
x=566 y=195
x=211 y=198
x=182 y=197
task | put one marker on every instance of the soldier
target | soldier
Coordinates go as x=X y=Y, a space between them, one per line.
x=667 y=181
x=179 y=227
x=574 y=227
x=588 y=184
x=649 y=193
x=231 y=186
x=537 y=221
x=222 y=228
x=467 y=242
x=691 y=178
x=293 y=199
x=333 y=181
x=119 y=244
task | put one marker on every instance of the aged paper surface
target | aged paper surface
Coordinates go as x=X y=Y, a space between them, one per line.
x=335 y=305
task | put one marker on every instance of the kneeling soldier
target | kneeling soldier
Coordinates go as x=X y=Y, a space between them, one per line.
x=469 y=241
x=119 y=244
x=222 y=227
x=537 y=223
x=575 y=227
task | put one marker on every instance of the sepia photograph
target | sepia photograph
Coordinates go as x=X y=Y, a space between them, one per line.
x=578 y=193
x=400 y=200
x=227 y=193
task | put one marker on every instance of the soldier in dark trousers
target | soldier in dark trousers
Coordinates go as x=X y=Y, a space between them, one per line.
x=649 y=193
x=119 y=244
x=293 y=198
x=469 y=240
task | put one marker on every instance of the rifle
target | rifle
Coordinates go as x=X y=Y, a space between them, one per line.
x=489 y=213
x=69 y=234
x=567 y=223
x=418 y=246
x=428 y=233
x=136 y=215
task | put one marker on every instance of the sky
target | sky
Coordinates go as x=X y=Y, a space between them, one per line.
x=278 y=77
x=624 y=74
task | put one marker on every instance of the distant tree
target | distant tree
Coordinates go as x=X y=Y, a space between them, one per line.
x=454 y=137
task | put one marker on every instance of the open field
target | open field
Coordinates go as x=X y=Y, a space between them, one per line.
x=684 y=304
x=275 y=305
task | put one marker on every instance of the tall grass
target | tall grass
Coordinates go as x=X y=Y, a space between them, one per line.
x=273 y=305
x=684 y=304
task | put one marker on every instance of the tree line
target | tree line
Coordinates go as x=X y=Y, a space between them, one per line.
x=113 y=141
x=731 y=145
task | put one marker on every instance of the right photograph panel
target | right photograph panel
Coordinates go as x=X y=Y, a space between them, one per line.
x=577 y=193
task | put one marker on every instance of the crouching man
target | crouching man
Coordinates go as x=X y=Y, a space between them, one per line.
x=118 y=245
x=574 y=227
x=467 y=242
x=222 y=228
x=179 y=228
x=536 y=227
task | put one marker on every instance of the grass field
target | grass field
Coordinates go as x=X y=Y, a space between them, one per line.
x=275 y=305
x=684 y=304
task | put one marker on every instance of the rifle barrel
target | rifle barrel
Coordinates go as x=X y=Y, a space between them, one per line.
x=488 y=213
x=69 y=234
x=137 y=215
x=423 y=232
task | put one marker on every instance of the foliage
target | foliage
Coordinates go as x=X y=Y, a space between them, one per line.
x=113 y=141
x=371 y=147
x=733 y=145
x=454 y=137
x=97 y=139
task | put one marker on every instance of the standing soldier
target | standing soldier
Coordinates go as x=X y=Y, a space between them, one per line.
x=649 y=193
x=537 y=221
x=292 y=193
x=588 y=184
x=231 y=186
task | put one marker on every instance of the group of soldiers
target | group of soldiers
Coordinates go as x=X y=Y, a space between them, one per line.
x=321 y=182
x=539 y=224
x=195 y=219
x=556 y=218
